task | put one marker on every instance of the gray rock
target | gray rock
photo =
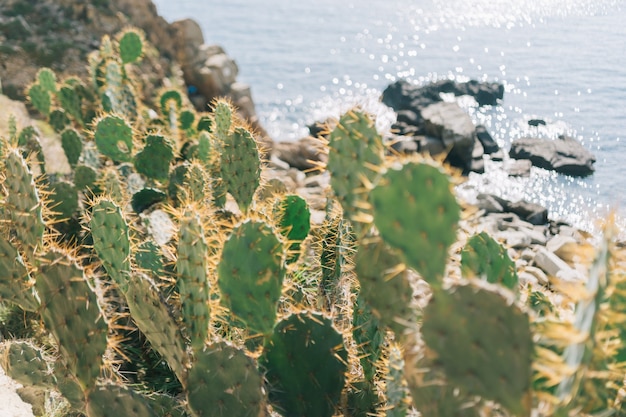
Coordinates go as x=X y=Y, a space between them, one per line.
x=303 y=154
x=564 y=155
x=539 y=275
x=555 y=266
x=489 y=203
x=518 y=167
x=450 y=123
x=489 y=144
x=531 y=212
x=514 y=238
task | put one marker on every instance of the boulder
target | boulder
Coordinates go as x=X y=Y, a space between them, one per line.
x=450 y=123
x=530 y=212
x=304 y=154
x=489 y=144
x=564 y=155
x=518 y=167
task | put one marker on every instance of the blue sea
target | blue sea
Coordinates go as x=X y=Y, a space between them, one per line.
x=563 y=61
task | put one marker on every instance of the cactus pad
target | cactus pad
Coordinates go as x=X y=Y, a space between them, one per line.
x=40 y=99
x=72 y=145
x=483 y=343
x=356 y=153
x=193 y=284
x=299 y=385
x=114 y=138
x=251 y=274
x=240 y=166
x=14 y=279
x=63 y=200
x=131 y=46
x=70 y=312
x=114 y=401
x=47 y=79
x=486 y=258
x=384 y=285
x=111 y=240
x=71 y=103
x=224 y=381
x=295 y=223
x=58 y=120
x=154 y=160
x=150 y=314
x=368 y=336
x=23 y=203
x=416 y=212
x=26 y=364
x=146 y=198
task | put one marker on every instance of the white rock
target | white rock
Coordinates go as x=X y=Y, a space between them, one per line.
x=554 y=266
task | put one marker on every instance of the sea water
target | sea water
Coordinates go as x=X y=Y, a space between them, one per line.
x=563 y=61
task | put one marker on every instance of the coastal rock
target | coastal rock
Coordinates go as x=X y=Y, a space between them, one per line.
x=531 y=212
x=450 y=123
x=555 y=266
x=304 y=154
x=489 y=144
x=518 y=167
x=564 y=155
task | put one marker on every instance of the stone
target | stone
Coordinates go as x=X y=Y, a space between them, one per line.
x=489 y=203
x=489 y=144
x=531 y=212
x=539 y=275
x=564 y=247
x=450 y=123
x=518 y=167
x=304 y=154
x=554 y=266
x=405 y=145
x=565 y=155
x=514 y=238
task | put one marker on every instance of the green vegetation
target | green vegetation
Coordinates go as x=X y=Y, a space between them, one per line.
x=129 y=288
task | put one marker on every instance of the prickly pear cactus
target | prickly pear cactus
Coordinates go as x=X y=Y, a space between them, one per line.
x=250 y=275
x=416 y=212
x=483 y=343
x=354 y=162
x=240 y=166
x=40 y=99
x=23 y=204
x=384 y=285
x=150 y=313
x=299 y=386
x=70 y=312
x=294 y=223
x=111 y=240
x=112 y=400
x=15 y=281
x=114 y=138
x=397 y=392
x=130 y=45
x=369 y=337
x=193 y=284
x=485 y=258
x=72 y=145
x=224 y=381
x=154 y=159
x=27 y=364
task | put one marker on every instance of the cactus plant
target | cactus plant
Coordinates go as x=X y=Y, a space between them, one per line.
x=484 y=257
x=240 y=166
x=131 y=45
x=291 y=358
x=114 y=138
x=154 y=159
x=250 y=275
x=416 y=212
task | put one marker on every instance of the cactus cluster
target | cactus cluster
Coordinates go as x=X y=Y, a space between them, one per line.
x=171 y=280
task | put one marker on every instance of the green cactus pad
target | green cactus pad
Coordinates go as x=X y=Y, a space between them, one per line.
x=72 y=144
x=63 y=200
x=40 y=98
x=70 y=312
x=240 y=166
x=363 y=399
x=23 y=204
x=114 y=401
x=187 y=118
x=416 y=212
x=250 y=275
x=68 y=385
x=111 y=241
x=154 y=160
x=356 y=152
x=186 y=183
x=27 y=364
x=131 y=46
x=223 y=119
x=204 y=148
x=71 y=103
x=294 y=222
x=146 y=198
x=369 y=337
x=483 y=343
x=204 y=124
x=114 y=138
x=397 y=391
x=224 y=381
x=15 y=282
x=84 y=177
x=193 y=284
x=47 y=79
x=485 y=258
x=58 y=120
x=384 y=285
x=150 y=314
x=305 y=363
x=148 y=257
